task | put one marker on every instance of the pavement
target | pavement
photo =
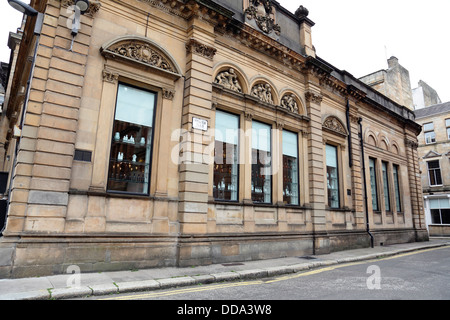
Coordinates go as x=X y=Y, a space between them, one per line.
x=79 y=285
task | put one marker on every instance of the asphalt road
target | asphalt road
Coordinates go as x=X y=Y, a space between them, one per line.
x=420 y=275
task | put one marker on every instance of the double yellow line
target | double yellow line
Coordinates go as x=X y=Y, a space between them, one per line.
x=158 y=294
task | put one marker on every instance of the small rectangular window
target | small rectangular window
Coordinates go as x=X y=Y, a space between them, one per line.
x=430 y=137
x=434 y=173
x=332 y=176
x=261 y=163
x=226 y=180
x=290 y=168
x=131 y=147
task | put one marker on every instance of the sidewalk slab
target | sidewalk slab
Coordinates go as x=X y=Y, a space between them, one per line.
x=105 y=283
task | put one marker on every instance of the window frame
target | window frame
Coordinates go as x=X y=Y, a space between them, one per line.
x=238 y=146
x=377 y=209
x=271 y=156
x=338 y=178
x=297 y=163
x=386 y=186
x=152 y=145
x=434 y=171
x=397 y=187
x=429 y=133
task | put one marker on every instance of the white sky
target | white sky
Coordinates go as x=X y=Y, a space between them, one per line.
x=357 y=36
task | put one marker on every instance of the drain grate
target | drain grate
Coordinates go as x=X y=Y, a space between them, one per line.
x=308 y=257
x=232 y=264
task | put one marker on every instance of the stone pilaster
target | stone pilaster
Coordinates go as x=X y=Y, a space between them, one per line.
x=416 y=196
x=194 y=159
x=42 y=177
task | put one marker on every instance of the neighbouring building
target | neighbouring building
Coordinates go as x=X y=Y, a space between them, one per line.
x=179 y=133
x=425 y=96
x=393 y=82
x=434 y=153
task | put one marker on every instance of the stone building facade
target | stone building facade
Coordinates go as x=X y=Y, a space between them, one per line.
x=178 y=133
x=434 y=153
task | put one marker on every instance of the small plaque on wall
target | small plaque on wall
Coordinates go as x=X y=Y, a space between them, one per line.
x=200 y=124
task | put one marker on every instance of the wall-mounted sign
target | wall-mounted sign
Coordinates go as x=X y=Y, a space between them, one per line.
x=200 y=124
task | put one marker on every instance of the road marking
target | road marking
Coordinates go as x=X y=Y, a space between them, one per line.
x=186 y=290
x=259 y=282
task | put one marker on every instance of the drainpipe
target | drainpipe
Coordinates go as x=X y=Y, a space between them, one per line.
x=350 y=146
x=365 y=181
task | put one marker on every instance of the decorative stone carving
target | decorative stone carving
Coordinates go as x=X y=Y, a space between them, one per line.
x=289 y=102
x=94 y=6
x=193 y=46
x=109 y=76
x=313 y=97
x=168 y=94
x=333 y=124
x=229 y=80
x=142 y=52
x=263 y=14
x=263 y=92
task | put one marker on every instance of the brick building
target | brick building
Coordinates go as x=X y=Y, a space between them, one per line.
x=177 y=133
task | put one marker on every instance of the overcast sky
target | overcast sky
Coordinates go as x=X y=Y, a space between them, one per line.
x=357 y=36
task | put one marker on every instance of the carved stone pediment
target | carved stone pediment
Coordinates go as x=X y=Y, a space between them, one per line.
x=263 y=13
x=135 y=49
x=335 y=125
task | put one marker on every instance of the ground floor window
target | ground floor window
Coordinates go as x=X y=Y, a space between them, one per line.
x=290 y=168
x=373 y=184
x=225 y=182
x=131 y=147
x=440 y=211
x=384 y=171
x=261 y=163
x=396 y=173
x=332 y=176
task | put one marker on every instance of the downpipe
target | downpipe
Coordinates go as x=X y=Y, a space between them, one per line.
x=363 y=161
